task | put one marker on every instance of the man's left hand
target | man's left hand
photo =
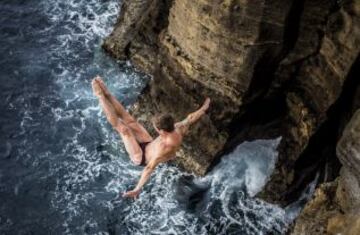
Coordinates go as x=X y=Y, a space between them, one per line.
x=132 y=194
x=206 y=104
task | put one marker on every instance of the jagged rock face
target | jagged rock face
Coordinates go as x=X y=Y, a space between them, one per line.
x=348 y=151
x=211 y=36
x=314 y=72
x=335 y=208
x=133 y=15
x=204 y=48
x=239 y=53
x=323 y=215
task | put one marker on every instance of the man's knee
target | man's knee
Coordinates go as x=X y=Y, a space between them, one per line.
x=137 y=158
x=114 y=122
x=129 y=120
x=123 y=129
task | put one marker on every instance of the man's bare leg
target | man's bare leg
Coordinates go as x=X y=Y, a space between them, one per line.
x=119 y=108
x=131 y=145
x=141 y=134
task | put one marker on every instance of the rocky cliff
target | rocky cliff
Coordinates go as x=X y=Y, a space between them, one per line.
x=272 y=68
x=335 y=208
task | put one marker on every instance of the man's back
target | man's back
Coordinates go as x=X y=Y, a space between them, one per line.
x=164 y=146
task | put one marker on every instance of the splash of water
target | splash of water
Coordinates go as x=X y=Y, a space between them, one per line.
x=220 y=203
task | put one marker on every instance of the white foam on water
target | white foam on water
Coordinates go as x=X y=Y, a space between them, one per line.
x=257 y=157
x=160 y=211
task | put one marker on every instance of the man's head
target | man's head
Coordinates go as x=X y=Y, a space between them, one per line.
x=164 y=122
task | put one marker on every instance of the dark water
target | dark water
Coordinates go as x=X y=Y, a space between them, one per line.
x=61 y=164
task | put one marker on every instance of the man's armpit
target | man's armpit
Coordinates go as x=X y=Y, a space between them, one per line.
x=184 y=123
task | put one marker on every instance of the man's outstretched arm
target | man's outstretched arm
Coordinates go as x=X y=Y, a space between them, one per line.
x=193 y=117
x=145 y=175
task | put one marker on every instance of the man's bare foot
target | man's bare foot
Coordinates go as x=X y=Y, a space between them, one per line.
x=103 y=86
x=96 y=88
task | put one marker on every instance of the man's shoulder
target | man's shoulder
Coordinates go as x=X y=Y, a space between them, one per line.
x=182 y=123
x=181 y=129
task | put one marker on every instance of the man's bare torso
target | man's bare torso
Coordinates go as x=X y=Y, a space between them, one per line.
x=160 y=149
x=164 y=147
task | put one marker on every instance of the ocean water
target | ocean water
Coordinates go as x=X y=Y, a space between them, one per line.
x=62 y=167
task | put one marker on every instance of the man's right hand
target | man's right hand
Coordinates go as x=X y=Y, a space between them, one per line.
x=132 y=194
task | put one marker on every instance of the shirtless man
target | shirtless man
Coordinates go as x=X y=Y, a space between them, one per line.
x=143 y=149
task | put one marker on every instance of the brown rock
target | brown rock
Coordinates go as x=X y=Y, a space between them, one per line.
x=335 y=208
x=314 y=217
x=348 y=151
x=133 y=14
x=224 y=50
x=204 y=48
x=344 y=224
x=322 y=62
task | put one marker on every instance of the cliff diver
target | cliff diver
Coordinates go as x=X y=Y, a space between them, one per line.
x=143 y=149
